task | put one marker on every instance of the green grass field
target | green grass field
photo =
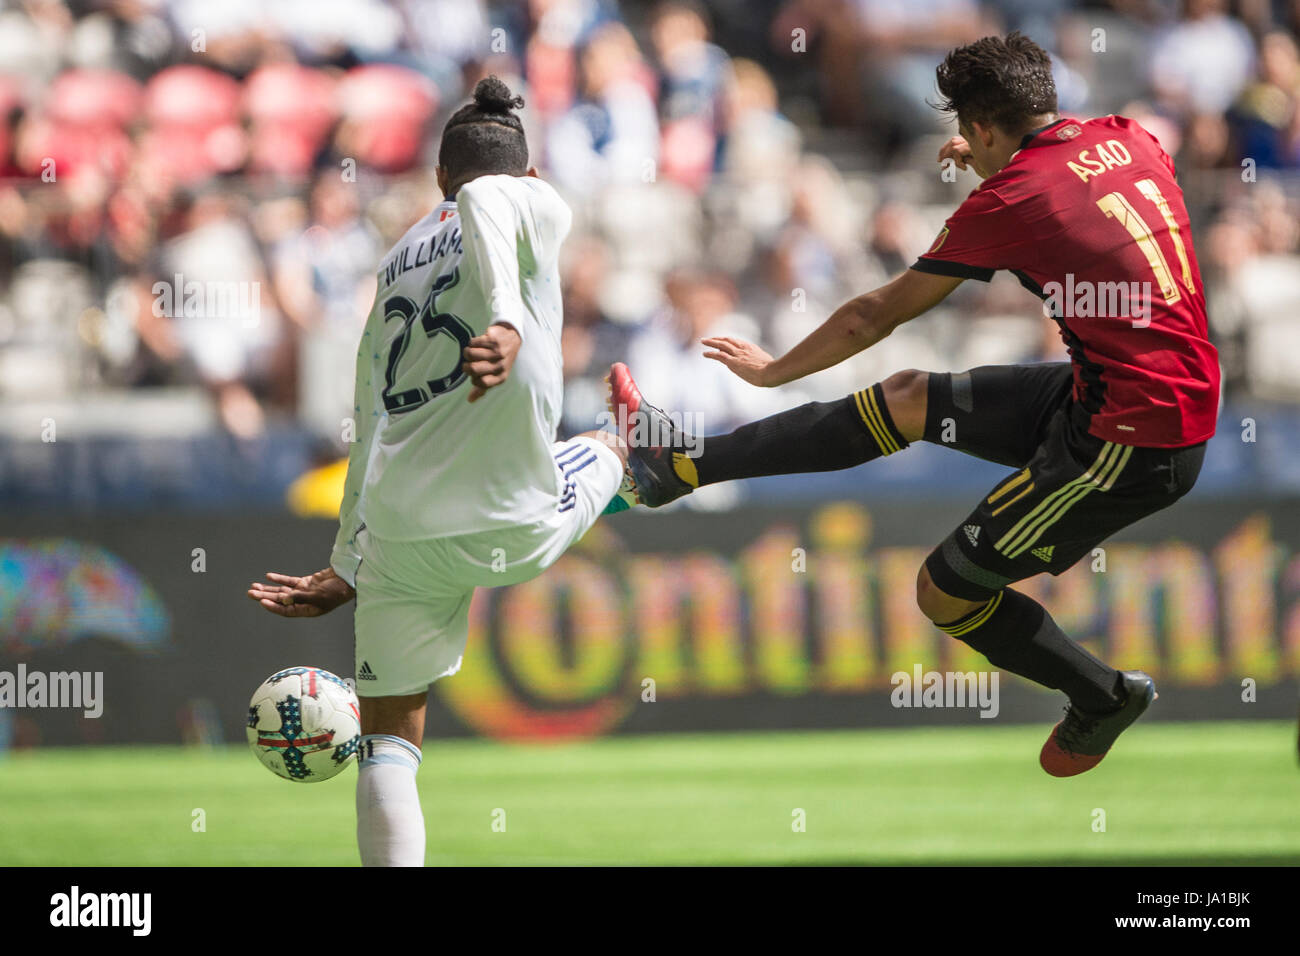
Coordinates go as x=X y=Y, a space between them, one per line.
x=1172 y=793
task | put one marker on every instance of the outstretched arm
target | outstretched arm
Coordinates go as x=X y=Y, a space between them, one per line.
x=856 y=325
x=308 y=596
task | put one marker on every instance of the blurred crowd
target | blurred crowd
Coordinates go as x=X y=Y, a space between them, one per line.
x=734 y=167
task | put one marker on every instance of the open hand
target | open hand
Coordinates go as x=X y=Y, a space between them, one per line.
x=309 y=596
x=744 y=358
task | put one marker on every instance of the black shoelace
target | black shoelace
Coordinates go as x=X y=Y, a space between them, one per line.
x=1075 y=729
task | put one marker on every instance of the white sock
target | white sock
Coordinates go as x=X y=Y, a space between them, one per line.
x=390 y=825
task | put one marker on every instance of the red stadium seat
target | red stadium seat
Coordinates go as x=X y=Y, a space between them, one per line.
x=387 y=108
x=292 y=109
x=94 y=98
x=192 y=96
x=73 y=149
x=194 y=120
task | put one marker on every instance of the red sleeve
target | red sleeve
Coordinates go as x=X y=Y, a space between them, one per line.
x=982 y=236
x=1158 y=147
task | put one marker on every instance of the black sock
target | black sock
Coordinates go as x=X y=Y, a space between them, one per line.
x=819 y=436
x=1017 y=634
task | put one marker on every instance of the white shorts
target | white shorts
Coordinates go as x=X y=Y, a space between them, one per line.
x=412 y=615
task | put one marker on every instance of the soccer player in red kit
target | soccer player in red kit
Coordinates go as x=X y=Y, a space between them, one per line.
x=1088 y=215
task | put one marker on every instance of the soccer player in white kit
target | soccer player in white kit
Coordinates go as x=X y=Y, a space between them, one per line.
x=454 y=481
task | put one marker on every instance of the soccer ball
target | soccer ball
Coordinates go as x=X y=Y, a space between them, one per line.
x=303 y=724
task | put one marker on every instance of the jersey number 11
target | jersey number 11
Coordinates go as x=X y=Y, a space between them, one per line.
x=1116 y=206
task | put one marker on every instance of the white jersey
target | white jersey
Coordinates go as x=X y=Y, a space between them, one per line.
x=426 y=463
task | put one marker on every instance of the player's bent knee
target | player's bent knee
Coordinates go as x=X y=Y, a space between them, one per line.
x=926 y=592
x=401 y=716
x=906 y=394
x=939 y=606
x=611 y=441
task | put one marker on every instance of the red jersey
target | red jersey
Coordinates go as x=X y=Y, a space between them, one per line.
x=1090 y=218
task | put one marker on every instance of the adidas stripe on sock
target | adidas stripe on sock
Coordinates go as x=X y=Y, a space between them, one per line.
x=1017 y=634
x=818 y=436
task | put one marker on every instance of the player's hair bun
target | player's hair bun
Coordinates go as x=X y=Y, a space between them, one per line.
x=486 y=136
x=494 y=98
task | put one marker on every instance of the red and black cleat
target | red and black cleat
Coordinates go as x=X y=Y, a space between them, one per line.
x=1080 y=741
x=652 y=440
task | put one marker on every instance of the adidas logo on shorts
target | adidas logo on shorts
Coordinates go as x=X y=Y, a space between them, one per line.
x=1044 y=554
x=366 y=673
x=972 y=534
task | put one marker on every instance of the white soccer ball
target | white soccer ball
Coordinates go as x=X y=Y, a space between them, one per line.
x=304 y=724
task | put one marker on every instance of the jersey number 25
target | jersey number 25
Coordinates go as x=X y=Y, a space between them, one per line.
x=434 y=323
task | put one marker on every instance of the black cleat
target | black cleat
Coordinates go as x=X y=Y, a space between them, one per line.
x=641 y=425
x=1081 y=740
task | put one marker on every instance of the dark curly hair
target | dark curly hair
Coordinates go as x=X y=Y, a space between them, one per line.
x=485 y=136
x=1005 y=82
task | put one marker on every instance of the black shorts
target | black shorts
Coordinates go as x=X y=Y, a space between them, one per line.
x=1070 y=490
